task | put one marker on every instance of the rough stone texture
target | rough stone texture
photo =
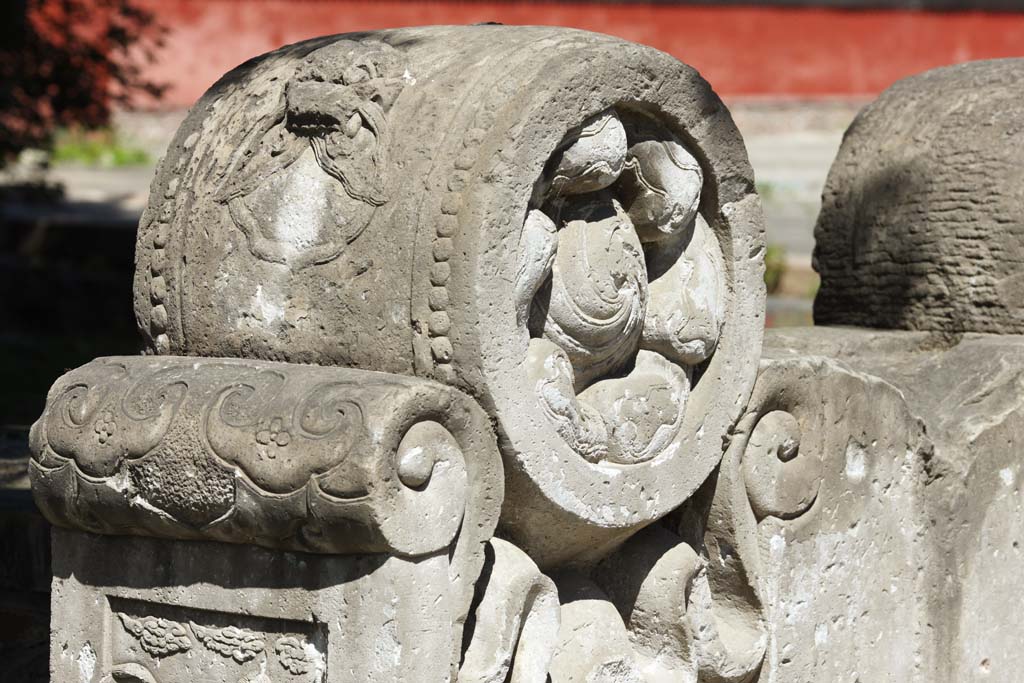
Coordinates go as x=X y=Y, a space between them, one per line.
x=845 y=554
x=967 y=392
x=516 y=620
x=922 y=220
x=437 y=201
x=865 y=519
x=173 y=614
x=420 y=285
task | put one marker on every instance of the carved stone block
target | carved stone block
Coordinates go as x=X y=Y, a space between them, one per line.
x=177 y=611
x=968 y=393
x=328 y=461
x=444 y=326
x=463 y=204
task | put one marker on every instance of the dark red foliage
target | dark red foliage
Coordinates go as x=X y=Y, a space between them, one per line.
x=69 y=62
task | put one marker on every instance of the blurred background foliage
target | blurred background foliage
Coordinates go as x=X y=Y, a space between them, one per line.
x=106 y=147
x=70 y=63
x=66 y=68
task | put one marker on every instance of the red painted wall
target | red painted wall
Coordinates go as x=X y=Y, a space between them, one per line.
x=742 y=51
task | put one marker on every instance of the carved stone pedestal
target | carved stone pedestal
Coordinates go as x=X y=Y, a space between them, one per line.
x=443 y=325
x=372 y=495
x=451 y=344
x=145 y=609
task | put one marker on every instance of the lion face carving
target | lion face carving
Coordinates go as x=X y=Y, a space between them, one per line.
x=311 y=182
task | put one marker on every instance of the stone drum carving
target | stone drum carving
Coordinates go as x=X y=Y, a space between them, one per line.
x=446 y=331
x=452 y=373
x=522 y=247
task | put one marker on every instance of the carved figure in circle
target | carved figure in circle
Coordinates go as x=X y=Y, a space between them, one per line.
x=643 y=409
x=661 y=188
x=684 y=315
x=580 y=425
x=624 y=284
x=309 y=181
x=594 y=157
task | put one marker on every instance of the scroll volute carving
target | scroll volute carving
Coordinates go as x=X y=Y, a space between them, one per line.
x=803 y=472
x=88 y=417
x=293 y=434
x=287 y=456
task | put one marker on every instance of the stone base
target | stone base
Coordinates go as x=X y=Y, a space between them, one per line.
x=141 y=609
x=968 y=393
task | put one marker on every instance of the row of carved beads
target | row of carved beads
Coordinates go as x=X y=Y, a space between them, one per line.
x=439 y=323
x=158 y=260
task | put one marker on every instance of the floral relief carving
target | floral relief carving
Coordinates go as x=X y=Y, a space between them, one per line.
x=105 y=426
x=237 y=643
x=274 y=433
x=217 y=446
x=157 y=636
x=293 y=656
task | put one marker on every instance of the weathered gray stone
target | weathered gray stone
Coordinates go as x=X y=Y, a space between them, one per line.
x=967 y=392
x=324 y=460
x=922 y=221
x=283 y=456
x=402 y=292
x=462 y=160
x=843 y=557
x=806 y=557
x=921 y=229
x=516 y=620
x=187 y=611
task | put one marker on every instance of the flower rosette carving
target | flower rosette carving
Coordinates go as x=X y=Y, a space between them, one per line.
x=107 y=411
x=269 y=416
